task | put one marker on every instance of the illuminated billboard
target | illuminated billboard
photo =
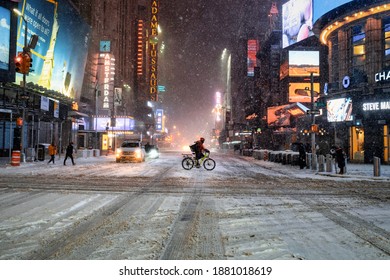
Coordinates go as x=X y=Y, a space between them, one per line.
x=303 y=63
x=159 y=120
x=280 y=116
x=321 y=7
x=297 y=22
x=253 y=46
x=5 y=28
x=61 y=53
x=121 y=123
x=301 y=92
x=339 y=110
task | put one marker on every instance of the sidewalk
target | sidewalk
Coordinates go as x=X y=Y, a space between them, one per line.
x=353 y=170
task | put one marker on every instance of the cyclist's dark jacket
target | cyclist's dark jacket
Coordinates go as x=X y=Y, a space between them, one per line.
x=199 y=149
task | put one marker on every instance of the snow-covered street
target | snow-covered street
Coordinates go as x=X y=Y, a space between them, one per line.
x=244 y=209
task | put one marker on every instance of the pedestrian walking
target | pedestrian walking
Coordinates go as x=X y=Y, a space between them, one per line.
x=340 y=158
x=69 y=153
x=52 y=152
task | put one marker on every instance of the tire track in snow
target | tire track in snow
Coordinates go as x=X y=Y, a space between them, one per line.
x=195 y=233
x=376 y=236
x=90 y=226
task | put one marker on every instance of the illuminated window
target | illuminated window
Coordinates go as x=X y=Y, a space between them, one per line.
x=386 y=38
x=358 y=48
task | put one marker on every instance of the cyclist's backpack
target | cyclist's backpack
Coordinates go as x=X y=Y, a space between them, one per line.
x=193 y=148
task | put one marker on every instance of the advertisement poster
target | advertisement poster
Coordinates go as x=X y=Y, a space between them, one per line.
x=297 y=21
x=303 y=63
x=5 y=18
x=301 y=92
x=61 y=53
x=280 y=116
x=253 y=47
x=121 y=123
x=339 y=110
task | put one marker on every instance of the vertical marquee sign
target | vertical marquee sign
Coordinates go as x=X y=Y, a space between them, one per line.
x=106 y=81
x=153 y=42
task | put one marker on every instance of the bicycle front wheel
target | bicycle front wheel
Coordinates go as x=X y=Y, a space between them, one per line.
x=209 y=164
x=187 y=163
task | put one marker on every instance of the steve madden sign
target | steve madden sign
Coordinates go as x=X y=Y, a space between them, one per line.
x=376 y=106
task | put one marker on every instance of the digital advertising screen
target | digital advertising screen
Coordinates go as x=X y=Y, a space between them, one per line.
x=303 y=63
x=321 y=7
x=159 y=119
x=61 y=53
x=297 y=21
x=339 y=110
x=5 y=38
x=301 y=92
x=278 y=116
x=101 y=124
x=253 y=46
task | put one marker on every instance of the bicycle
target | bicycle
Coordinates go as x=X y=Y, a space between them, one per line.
x=189 y=161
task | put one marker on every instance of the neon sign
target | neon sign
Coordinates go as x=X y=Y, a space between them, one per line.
x=153 y=40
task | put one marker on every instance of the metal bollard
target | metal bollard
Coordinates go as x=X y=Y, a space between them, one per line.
x=377 y=167
x=321 y=163
x=329 y=163
x=308 y=160
x=314 y=162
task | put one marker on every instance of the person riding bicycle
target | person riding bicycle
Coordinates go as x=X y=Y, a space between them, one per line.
x=199 y=150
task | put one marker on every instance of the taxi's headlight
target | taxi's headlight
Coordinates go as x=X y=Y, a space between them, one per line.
x=118 y=152
x=138 y=153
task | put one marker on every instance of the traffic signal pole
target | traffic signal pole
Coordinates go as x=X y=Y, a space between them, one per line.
x=313 y=122
x=24 y=72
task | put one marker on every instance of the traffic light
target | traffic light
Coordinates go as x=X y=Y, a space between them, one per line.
x=19 y=63
x=23 y=62
x=27 y=63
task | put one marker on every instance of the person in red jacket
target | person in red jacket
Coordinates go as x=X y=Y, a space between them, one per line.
x=199 y=150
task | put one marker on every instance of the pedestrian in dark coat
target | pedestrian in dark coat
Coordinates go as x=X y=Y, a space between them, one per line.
x=302 y=156
x=69 y=153
x=340 y=159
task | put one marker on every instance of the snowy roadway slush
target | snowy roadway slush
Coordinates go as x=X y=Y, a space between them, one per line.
x=243 y=209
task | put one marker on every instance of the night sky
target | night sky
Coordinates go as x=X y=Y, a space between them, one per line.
x=195 y=34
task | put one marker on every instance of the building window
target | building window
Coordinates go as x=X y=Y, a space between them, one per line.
x=358 y=48
x=386 y=44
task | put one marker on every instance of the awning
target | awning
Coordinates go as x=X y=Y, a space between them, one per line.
x=76 y=114
x=296 y=109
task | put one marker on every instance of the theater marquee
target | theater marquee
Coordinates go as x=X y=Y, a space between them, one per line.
x=153 y=43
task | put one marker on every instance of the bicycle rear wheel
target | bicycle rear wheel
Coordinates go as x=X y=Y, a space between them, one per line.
x=209 y=164
x=187 y=163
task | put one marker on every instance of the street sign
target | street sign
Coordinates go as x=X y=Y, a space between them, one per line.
x=313 y=112
x=320 y=104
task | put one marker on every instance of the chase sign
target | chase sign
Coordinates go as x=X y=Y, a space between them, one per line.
x=382 y=76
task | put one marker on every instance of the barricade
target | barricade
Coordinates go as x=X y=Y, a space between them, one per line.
x=15 y=158
x=266 y=155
